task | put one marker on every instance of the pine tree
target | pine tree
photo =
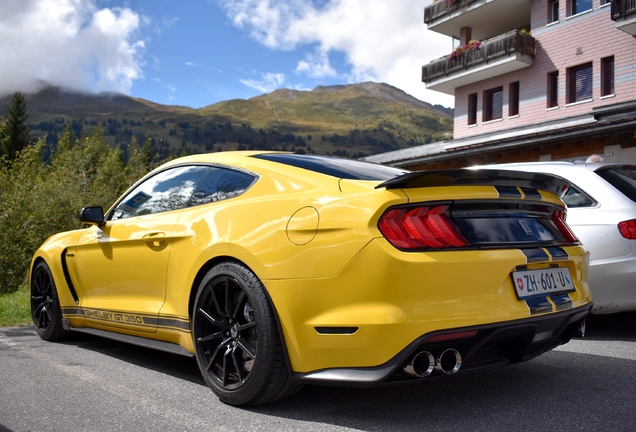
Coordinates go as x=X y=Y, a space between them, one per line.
x=17 y=129
x=3 y=137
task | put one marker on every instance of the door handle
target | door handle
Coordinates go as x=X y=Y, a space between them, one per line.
x=155 y=238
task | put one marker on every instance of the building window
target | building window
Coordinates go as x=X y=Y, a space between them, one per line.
x=607 y=76
x=579 y=83
x=553 y=89
x=472 y=109
x=553 y=11
x=493 y=104
x=578 y=6
x=513 y=99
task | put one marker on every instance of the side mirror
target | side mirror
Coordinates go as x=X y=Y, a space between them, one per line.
x=92 y=215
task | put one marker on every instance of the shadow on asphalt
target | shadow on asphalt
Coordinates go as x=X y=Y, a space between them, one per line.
x=171 y=364
x=560 y=391
x=611 y=327
x=571 y=391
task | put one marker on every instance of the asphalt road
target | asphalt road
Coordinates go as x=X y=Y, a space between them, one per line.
x=94 y=384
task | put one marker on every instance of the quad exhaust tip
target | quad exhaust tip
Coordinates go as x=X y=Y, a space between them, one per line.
x=448 y=362
x=424 y=363
x=421 y=365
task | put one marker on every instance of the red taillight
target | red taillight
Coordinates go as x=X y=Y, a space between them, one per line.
x=558 y=217
x=628 y=229
x=421 y=228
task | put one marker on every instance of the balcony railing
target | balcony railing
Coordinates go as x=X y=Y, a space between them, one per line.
x=624 y=14
x=443 y=7
x=621 y=8
x=504 y=45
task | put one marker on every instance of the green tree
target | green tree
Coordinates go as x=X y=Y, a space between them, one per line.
x=139 y=160
x=3 y=137
x=16 y=131
x=21 y=196
x=38 y=199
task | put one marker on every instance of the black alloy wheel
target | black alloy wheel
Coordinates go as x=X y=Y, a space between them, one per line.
x=45 y=306
x=230 y=339
x=237 y=342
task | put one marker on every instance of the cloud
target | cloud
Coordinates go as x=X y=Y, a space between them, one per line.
x=316 y=65
x=193 y=64
x=167 y=23
x=171 y=91
x=381 y=40
x=268 y=83
x=68 y=43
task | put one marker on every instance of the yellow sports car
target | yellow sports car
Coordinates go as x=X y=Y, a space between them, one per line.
x=278 y=269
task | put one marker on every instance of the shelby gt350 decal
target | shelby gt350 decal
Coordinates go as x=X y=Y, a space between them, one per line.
x=116 y=317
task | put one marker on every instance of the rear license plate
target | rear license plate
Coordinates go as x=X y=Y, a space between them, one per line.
x=540 y=282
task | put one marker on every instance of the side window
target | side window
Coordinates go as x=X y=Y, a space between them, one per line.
x=579 y=83
x=553 y=11
x=623 y=179
x=578 y=6
x=221 y=184
x=165 y=191
x=575 y=197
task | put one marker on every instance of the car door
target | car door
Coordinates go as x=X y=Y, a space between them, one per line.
x=121 y=267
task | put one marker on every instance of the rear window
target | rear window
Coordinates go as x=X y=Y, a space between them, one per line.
x=622 y=178
x=336 y=167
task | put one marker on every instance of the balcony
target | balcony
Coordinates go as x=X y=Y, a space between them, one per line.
x=497 y=56
x=624 y=13
x=486 y=18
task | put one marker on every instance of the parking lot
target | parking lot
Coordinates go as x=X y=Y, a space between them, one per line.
x=89 y=383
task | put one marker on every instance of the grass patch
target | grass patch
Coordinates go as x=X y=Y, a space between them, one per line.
x=15 y=308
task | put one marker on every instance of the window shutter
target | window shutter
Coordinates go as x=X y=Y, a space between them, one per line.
x=493 y=100
x=607 y=76
x=553 y=89
x=497 y=104
x=513 y=99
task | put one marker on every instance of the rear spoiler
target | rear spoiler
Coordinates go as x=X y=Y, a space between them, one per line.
x=479 y=177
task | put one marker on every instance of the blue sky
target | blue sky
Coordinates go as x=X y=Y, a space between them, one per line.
x=199 y=52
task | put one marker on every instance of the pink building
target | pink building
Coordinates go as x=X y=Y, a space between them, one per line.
x=532 y=80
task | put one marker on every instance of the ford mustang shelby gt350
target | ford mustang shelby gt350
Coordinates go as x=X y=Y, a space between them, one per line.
x=278 y=269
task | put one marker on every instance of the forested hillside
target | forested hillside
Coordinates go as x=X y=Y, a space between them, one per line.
x=352 y=121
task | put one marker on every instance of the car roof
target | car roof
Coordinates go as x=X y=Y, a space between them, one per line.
x=235 y=158
x=290 y=163
x=553 y=165
x=581 y=175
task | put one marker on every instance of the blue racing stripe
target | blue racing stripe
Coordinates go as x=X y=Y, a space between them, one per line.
x=535 y=255
x=530 y=192
x=539 y=305
x=562 y=301
x=508 y=192
x=558 y=254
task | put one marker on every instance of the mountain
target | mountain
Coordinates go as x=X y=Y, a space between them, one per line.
x=347 y=120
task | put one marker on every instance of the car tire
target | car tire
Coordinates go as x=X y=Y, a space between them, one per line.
x=238 y=345
x=45 y=304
